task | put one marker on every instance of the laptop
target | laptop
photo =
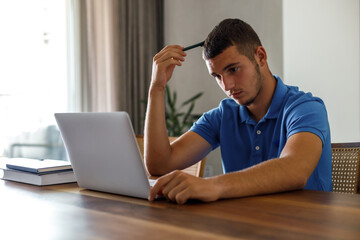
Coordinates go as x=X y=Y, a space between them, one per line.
x=103 y=152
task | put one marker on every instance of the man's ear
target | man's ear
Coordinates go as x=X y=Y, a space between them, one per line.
x=260 y=56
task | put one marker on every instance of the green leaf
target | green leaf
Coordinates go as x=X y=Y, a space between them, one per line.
x=168 y=96
x=178 y=121
x=192 y=99
x=185 y=120
x=195 y=116
x=188 y=124
x=174 y=98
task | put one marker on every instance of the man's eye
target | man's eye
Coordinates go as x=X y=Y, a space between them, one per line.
x=233 y=69
x=217 y=77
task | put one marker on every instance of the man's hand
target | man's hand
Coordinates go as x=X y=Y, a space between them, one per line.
x=164 y=63
x=179 y=187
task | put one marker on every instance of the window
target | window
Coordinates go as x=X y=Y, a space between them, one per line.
x=33 y=76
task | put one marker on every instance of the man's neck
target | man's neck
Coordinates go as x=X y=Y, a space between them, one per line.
x=260 y=106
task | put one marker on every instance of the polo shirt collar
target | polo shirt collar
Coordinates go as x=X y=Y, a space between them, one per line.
x=275 y=106
x=277 y=100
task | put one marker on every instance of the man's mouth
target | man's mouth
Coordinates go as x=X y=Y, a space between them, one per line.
x=236 y=94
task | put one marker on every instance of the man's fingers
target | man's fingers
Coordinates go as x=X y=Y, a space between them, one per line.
x=176 y=49
x=168 y=55
x=164 y=63
x=158 y=186
x=173 y=194
x=175 y=181
x=183 y=196
x=179 y=187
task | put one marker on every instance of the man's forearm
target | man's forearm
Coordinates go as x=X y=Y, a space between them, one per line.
x=272 y=176
x=157 y=147
x=268 y=177
x=290 y=171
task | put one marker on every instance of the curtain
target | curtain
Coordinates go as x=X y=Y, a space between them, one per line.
x=118 y=41
x=140 y=29
x=99 y=76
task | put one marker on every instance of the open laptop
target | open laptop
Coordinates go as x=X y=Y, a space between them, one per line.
x=104 y=154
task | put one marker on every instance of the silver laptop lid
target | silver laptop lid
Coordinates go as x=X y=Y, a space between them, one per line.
x=103 y=151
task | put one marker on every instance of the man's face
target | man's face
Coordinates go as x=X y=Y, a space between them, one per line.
x=236 y=75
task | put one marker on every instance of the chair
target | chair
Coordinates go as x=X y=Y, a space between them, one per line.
x=345 y=167
x=197 y=169
x=44 y=143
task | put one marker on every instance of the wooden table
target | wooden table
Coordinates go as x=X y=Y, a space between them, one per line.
x=68 y=212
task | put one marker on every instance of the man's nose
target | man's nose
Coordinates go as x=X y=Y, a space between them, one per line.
x=229 y=83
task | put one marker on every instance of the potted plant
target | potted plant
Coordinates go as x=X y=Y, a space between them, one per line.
x=179 y=120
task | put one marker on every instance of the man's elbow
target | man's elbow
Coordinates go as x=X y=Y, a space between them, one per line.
x=300 y=182
x=300 y=175
x=154 y=168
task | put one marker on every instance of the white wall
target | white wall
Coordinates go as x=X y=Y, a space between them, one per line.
x=189 y=21
x=321 y=55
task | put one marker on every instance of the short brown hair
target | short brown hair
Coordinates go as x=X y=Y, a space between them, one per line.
x=231 y=32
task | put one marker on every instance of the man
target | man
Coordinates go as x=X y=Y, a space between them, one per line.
x=273 y=137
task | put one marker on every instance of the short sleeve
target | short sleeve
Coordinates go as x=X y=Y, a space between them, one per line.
x=208 y=127
x=308 y=116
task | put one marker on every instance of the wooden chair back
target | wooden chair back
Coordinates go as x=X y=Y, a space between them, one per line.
x=197 y=169
x=345 y=167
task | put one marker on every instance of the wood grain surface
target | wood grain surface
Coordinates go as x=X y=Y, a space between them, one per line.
x=68 y=212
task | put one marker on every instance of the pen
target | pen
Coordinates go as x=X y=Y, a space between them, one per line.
x=200 y=44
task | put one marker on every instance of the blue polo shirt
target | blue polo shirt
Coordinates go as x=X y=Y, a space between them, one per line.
x=245 y=143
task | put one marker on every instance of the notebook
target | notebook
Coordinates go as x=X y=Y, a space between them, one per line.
x=103 y=152
x=38 y=166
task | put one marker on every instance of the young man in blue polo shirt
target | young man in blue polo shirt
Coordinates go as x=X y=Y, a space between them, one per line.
x=273 y=137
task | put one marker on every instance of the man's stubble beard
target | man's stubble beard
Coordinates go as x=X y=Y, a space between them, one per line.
x=258 y=86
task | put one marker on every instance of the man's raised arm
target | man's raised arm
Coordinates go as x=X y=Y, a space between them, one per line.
x=160 y=157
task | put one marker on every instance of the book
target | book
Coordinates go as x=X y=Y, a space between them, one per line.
x=37 y=179
x=38 y=166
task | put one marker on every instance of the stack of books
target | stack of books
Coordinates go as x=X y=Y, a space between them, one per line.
x=36 y=172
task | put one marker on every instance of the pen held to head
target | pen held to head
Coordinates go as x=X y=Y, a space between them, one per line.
x=200 y=44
